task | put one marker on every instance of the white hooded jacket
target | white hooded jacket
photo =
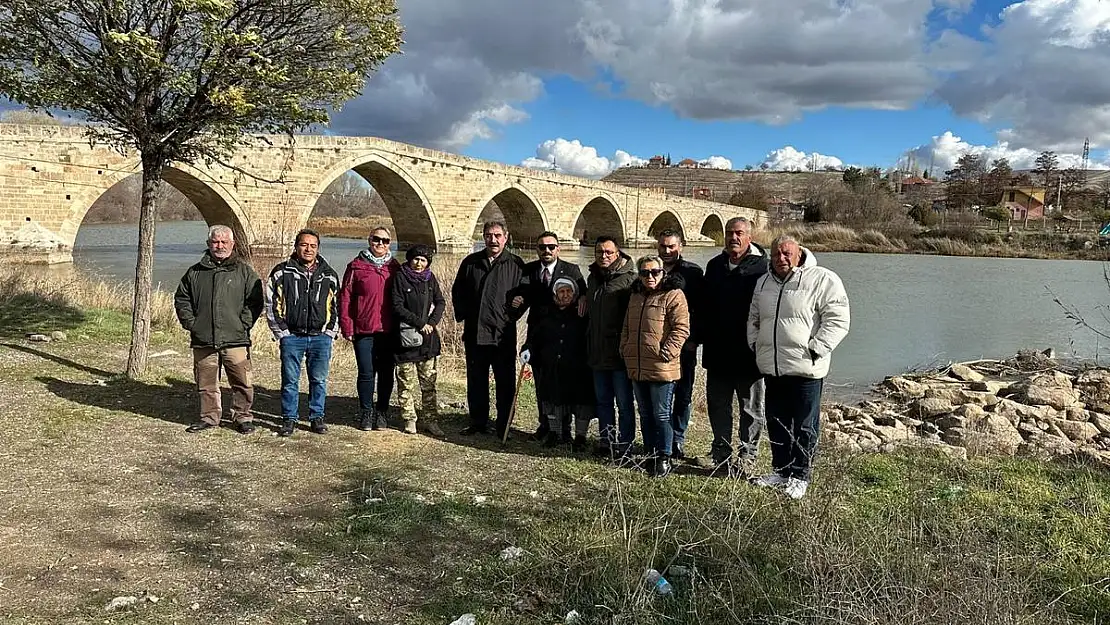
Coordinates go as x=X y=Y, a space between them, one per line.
x=795 y=324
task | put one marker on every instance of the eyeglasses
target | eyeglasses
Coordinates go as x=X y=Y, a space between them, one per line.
x=546 y=246
x=382 y=240
x=654 y=273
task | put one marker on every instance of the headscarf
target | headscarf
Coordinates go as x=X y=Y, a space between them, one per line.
x=564 y=282
x=418 y=250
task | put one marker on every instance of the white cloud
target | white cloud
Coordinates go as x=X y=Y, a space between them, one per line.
x=722 y=59
x=1041 y=74
x=571 y=157
x=716 y=162
x=944 y=150
x=790 y=159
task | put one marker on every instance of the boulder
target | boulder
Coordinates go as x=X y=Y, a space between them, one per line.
x=1050 y=389
x=956 y=437
x=841 y=440
x=993 y=435
x=1078 y=412
x=949 y=421
x=950 y=394
x=1046 y=447
x=1101 y=421
x=905 y=386
x=932 y=407
x=965 y=373
x=1094 y=384
x=979 y=398
x=1078 y=431
x=970 y=413
x=956 y=453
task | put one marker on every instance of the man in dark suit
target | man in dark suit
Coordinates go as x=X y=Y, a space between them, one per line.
x=535 y=294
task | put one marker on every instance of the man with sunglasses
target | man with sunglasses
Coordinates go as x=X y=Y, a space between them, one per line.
x=535 y=295
x=481 y=296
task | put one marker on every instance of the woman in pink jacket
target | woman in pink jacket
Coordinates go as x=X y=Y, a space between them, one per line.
x=365 y=320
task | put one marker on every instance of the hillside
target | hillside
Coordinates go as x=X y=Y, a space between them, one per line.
x=722 y=183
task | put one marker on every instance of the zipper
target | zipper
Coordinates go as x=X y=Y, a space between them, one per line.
x=775 y=328
x=639 y=339
x=212 y=306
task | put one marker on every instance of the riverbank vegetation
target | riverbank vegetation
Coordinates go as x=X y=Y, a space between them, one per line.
x=107 y=497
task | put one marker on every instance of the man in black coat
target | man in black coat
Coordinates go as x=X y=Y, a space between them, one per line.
x=535 y=294
x=483 y=288
x=729 y=362
x=670 y=250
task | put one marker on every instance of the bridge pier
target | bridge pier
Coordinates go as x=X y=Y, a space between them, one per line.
x=20 y=255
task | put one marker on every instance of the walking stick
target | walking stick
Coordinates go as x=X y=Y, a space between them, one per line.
x=516 y=396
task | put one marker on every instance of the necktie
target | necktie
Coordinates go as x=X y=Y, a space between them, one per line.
x=546 y=276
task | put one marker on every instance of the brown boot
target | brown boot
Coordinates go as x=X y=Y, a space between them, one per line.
x=431 y=428
x=410 y=426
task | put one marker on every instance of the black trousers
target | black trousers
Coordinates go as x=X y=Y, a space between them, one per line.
x=793 y=423
x=479 y=360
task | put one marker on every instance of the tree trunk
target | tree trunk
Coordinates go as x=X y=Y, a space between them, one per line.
x=144 y=265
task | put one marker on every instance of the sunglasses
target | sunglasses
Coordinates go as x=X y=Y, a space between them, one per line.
x=382 y=240
x=546 y=246
x=654 y=273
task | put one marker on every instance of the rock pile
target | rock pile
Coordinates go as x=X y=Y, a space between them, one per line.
x=1029 y=405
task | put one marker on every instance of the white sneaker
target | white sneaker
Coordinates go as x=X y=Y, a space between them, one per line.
x=795 y=488
x=771 y=480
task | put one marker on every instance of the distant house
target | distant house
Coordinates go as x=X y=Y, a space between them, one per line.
x=701 y=193
x=1024 y=202
x=688 y=163
x=657 y=162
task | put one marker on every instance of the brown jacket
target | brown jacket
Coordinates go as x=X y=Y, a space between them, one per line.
x=656 y=327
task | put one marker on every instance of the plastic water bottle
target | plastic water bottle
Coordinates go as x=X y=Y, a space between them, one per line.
x=656 y=580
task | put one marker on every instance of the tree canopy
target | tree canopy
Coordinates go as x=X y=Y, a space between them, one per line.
x=188 y=80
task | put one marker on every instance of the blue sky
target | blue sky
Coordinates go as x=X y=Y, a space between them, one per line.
x=602 y=83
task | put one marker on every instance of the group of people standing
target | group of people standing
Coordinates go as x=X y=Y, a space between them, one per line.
x=625 y=335
x=389 y=312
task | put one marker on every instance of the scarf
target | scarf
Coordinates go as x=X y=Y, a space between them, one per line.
x=419 y=276
x=374 y=260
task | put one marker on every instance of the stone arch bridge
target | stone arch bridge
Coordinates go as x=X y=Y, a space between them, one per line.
x=51 y=175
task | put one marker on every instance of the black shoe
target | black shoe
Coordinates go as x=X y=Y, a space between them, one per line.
x=317 y=426
x=678 y=453
x=287 y=427
x=552 y=440
x=246 y=427
x=662 y=467
x=471 y=430
x=579 y=444
x=366 y=421
x=380 y=420
x=540 y=434
x=199 y=426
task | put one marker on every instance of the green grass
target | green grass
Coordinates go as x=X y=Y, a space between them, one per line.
x=882 y=539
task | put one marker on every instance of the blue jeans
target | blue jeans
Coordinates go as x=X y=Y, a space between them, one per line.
x=682 y=405
x=375 y=362
x=616 y=428
x=655 y=399
x=793 y=423
x=316 y=352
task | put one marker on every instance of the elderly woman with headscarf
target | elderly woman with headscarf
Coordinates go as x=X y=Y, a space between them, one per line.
x=656 y=327
x=556 y=349
x=418 y=305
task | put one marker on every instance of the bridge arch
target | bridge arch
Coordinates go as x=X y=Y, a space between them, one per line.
x=665 y=220
x=597 y=217
x=215 y=200
x=414 y=221
x=523 y=214
x=713 y=227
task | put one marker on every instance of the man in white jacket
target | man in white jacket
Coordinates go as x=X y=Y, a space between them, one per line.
x=799 y=314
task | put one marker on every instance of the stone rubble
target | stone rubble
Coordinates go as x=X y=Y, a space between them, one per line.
x=1029 y=405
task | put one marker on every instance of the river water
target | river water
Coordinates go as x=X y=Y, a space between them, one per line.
x=908 y=311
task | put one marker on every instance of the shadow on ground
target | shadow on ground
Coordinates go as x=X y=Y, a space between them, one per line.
x=27 y=313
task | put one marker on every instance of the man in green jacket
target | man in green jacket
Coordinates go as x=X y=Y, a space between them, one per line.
x=218 y=301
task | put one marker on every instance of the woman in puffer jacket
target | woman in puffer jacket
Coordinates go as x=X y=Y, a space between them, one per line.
x=656 y=327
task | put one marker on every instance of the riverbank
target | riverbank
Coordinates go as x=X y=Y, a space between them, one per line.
x=106 y=497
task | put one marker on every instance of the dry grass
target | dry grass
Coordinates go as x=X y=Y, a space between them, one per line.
x=105 y=495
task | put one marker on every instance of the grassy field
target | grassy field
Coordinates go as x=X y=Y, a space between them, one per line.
x=105 y=496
